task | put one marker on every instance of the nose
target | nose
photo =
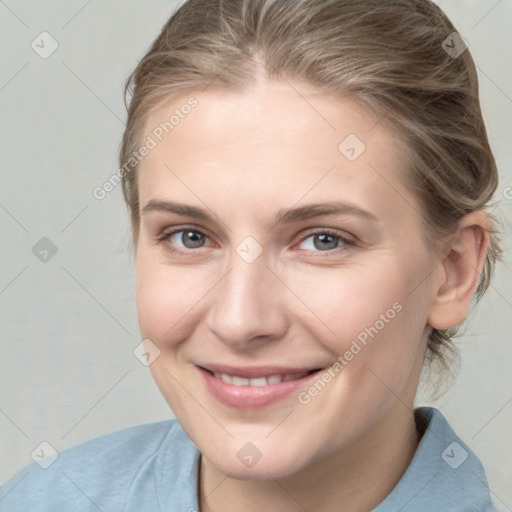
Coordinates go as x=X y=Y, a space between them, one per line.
x=247 y=305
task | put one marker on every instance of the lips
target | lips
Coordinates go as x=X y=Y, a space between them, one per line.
x=253 y=372
x=253 y=387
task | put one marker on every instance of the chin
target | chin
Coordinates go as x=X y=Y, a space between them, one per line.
x=258 y=461
x=261 y=471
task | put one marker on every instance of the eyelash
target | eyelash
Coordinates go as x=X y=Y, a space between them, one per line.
x=346 y=242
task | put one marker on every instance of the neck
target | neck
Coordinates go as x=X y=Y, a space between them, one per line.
x=356 y=479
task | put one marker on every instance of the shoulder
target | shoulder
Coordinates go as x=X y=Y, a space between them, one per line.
x=444 y=473
x=102 y=472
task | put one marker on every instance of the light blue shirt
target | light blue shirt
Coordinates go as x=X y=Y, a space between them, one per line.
x=154 y=468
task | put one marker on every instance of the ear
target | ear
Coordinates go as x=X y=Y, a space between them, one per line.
x=461 y=265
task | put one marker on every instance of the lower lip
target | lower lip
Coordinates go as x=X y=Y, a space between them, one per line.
x=252 y=397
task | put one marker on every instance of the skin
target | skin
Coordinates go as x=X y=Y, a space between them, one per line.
x=242 y=157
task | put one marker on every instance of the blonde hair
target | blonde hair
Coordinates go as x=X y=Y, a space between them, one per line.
x=391 y=55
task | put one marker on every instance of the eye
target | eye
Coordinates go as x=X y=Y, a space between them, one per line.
x=324 y=241
x=184 y=239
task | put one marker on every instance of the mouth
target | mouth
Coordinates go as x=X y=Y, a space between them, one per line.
x=249 y=388
x=237 y=380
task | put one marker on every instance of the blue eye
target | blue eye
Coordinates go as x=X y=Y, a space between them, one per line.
x=324 y=241
x=185 y=240
x=188 y=238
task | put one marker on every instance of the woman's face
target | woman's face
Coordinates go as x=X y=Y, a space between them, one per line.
x=276 y=238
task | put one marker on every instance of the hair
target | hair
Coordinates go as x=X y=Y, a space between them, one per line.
x=390 y=56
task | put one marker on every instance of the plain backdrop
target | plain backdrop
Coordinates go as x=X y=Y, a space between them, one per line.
x=69 y=323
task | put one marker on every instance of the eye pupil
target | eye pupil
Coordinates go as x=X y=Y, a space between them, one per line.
x=191 y=239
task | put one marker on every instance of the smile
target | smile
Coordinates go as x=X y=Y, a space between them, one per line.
x=254 y=388
x=259 y=381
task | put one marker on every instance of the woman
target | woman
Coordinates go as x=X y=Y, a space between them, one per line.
x=307 y=183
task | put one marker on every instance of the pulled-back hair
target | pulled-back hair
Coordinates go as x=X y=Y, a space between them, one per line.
x=392 y=56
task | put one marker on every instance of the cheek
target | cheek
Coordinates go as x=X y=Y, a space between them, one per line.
x=346 y=300
x=168 y=300
x=370 y=306
x=376 y=342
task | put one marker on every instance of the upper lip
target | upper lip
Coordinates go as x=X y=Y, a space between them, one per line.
x=256 y=371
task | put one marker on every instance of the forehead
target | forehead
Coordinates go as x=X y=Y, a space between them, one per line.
x=279 y=140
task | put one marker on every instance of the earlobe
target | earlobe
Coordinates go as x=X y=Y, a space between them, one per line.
x=460 y=270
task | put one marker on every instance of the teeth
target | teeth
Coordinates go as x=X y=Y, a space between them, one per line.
x=274 y=379
x=224 y=377
x=240 y=381
x=258 y=381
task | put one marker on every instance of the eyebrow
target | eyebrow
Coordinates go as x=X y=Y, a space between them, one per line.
x=284 y=215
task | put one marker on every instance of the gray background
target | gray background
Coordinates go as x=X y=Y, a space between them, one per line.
x=69 y=325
